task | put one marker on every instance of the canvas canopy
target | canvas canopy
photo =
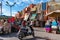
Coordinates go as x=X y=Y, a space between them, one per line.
x=54 y=13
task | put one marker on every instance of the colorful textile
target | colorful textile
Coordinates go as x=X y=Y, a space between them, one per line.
x=48 y=29
x=47 y=26
x=54 y=27
x=54 y=23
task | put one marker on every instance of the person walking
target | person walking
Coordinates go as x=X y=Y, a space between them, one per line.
x=59 y=24
x=48 y=26
x=6 y=27
x=1 y=27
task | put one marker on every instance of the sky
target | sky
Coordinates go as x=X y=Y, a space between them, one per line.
x=19 y=6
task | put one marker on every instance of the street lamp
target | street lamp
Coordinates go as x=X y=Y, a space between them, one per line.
x=1 y=7
x=10 y=7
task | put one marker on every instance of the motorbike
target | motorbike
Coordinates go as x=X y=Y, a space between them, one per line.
x=25 y=31
x=1 y=31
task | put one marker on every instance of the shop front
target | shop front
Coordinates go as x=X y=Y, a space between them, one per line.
x=55 y=14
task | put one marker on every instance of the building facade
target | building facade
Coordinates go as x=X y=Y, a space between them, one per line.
x=53 y=9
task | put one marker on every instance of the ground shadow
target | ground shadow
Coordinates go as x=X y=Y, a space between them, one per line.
x=14 y=35
x=33 y=38
x=38 y=38
x=1 y=39
x=8 y=35
x=39 y=30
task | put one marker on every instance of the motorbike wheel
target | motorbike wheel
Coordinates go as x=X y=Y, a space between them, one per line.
x=32 y=30
x=33 y=34
x=20 y=36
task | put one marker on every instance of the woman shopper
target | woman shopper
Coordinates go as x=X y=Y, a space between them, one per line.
x=48 y=26
x=54 y=25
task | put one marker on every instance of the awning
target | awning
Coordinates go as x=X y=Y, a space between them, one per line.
x=34 y=8
x=53 y=12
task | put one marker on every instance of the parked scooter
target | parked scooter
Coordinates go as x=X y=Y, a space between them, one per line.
x=25 y=31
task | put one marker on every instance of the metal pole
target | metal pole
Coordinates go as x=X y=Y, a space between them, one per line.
x=11 y=11
x=1 y=7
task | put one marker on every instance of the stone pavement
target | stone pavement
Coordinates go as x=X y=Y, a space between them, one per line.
x=12 y=38
x=40 y=32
